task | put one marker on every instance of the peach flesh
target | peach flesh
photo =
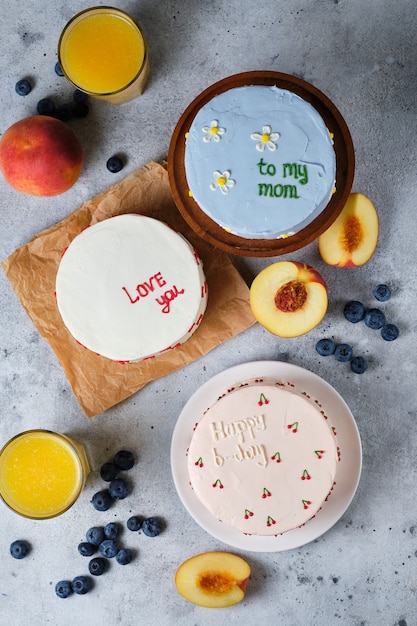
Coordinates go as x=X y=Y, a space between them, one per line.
x=288 y=298
x=352 y=238
x=213 y=579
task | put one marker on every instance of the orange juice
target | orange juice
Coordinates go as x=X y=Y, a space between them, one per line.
x=102 y=51
x=42 y=473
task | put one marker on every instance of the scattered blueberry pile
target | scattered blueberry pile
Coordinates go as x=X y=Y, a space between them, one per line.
x=118 y=488
x=66 y=111
x=354 y=311
x=76 y=108
x=373 y=318
x=342 y=352
x=80 y=585
x=104 y=540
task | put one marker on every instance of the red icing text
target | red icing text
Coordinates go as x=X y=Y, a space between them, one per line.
x=166 y=299
x=155 y=281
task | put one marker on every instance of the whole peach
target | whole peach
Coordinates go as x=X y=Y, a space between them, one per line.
x=40 y=156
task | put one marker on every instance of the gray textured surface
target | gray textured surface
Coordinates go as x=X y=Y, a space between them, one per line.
x=363 y=571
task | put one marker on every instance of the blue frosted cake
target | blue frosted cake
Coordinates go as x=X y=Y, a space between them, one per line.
x=259 y=161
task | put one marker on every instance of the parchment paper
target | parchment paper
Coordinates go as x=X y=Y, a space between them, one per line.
x=99 y=383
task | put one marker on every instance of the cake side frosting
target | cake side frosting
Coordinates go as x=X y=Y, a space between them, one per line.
x=260 y=162
x=263 y=458
x=130 y=287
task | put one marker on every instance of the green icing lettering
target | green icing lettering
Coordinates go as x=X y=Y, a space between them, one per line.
x=265 y=190
x=266 y=168
x=278 y=191
x=296 y=170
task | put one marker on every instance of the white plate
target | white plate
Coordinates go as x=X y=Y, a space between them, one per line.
x=348 y=471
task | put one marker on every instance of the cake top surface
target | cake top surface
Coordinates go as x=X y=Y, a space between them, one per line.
x=129 y=287
x=260 y=162
x=263 y=458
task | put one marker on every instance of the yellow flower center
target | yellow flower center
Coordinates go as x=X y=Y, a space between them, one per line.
x=265 y=137
x=214 y=130
x=221 y=181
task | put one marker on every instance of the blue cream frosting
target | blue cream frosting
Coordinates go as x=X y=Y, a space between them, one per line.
x=260 y=162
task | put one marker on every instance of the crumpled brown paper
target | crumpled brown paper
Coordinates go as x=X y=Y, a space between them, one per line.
x=99 y=383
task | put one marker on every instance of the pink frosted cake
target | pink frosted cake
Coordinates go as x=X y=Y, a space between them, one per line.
x=263 y=458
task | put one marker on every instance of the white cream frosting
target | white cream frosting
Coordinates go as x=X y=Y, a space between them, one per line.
x=263 y=458
x=274 y=158
x=130 y=287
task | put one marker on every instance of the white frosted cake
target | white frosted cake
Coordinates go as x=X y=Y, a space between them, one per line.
x=263 y=457
x=260 y=162
x=130 y=288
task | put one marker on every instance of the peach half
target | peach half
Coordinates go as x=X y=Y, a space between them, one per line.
x=288 y=298
x=213 y=579
x=352 y=238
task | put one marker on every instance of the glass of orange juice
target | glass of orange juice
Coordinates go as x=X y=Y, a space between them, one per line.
x=103 y=52
x=42 y=473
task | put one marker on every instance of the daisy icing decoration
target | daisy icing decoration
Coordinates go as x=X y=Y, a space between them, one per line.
x=222 y=181
x=214 y=131
x=266 y=139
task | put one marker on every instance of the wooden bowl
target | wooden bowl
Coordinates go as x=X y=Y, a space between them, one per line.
x=209 y=230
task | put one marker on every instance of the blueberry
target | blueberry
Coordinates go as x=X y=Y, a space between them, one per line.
x=343 y=352
x=374 y=318
x=58 y=69
x=46 y=106
x=152 y=526
x=114 y=164
x=102 y=500
x=134 y=523
x=118 y=489
x=80 y=109
x=81 y=584
x=112 y=530
x=358 y=365
x=325 y=347
x=354 y=311
x=63 y=588
x=79 y=96
x=108 y=472
x=389 y=332
x=64 y=112
x=382 y=293
x=19 y=549
x=124 y=556
x=95 y=535
x=124 y=460
x=97 y=566
x=86 y=549
x=23 y=87
x=108 y=548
